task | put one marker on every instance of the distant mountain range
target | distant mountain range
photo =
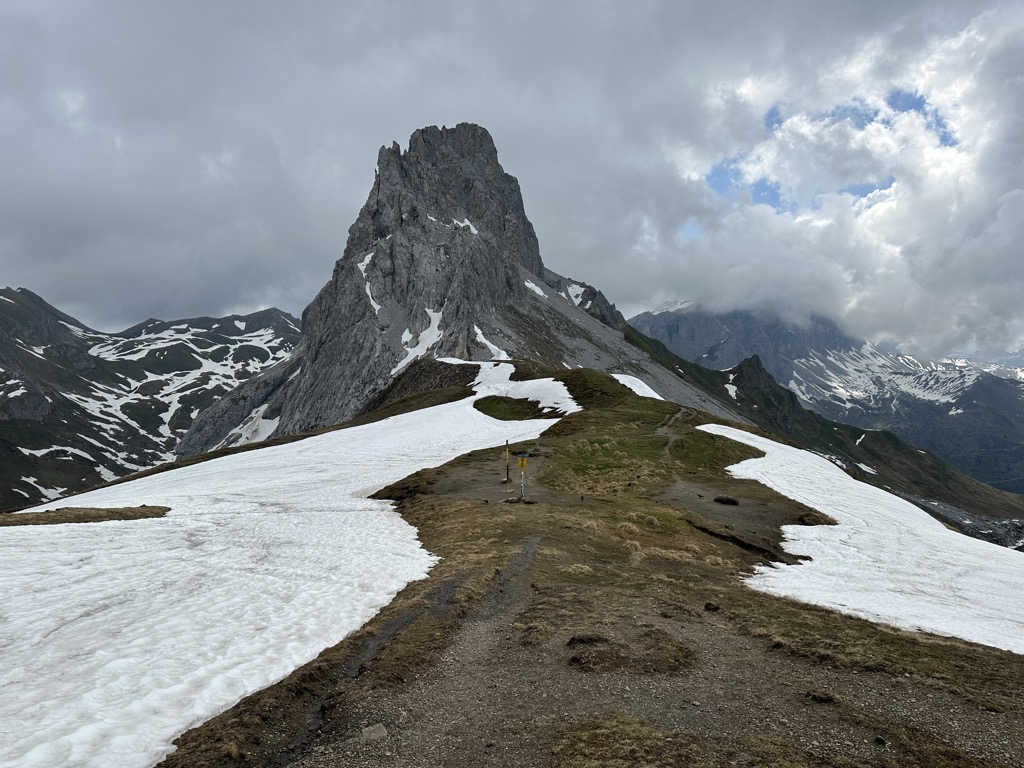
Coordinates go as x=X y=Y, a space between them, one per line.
x=970 y=414
x=79 y=407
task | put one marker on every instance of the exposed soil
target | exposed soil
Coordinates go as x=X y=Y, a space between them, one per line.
x=82 y=515
x=615 y=631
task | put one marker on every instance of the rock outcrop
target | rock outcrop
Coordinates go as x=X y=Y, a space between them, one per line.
x=441 y=261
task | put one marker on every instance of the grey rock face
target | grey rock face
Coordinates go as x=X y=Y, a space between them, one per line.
x=587 y=298
x=441 y=240
x=441 y=261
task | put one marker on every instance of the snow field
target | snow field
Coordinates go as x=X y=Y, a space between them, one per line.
x=116 y=637
x=886 y=560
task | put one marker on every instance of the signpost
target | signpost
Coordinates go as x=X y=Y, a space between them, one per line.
x=521 y=463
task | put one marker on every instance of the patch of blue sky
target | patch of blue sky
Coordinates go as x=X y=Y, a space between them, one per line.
x=856 y=112
x=903 y=101
x=773 y=118
x=690 y=230
x=941 y=129
x=764 y=192
x=899 y=100
x=866 y=188
x=725 y=177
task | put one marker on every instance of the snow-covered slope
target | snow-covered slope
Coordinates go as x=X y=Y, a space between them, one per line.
x=886 y=560
x=78 y=407
x=866 y=378
x=116 y=637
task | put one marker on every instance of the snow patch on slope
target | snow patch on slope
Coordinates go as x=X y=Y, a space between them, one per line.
x=265 y=558
x=253 y=429
x=886 y=560
x=673 y=306
x=638 y=386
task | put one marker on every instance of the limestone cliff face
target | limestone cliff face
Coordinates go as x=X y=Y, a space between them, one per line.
x=441 y=238
x=440 y=262
x=441 y=241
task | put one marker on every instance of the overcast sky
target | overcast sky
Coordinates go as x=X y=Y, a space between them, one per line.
x=860 y=160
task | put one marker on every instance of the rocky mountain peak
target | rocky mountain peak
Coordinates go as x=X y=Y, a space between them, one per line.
x=447 y=176
x=440 y=262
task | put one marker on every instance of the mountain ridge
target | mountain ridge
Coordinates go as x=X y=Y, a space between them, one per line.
x=79 y=407
x=960 y=411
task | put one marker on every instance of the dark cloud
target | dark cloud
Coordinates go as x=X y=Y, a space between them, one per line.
x=194 y=158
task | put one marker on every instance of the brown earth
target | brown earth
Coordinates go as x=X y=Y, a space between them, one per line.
x=82 y=515
x=606 y=624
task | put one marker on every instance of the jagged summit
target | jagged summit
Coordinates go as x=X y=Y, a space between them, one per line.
x=441 y=261
x=447 y=176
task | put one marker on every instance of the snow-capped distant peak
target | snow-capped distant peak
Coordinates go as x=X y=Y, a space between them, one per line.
x=674 y=305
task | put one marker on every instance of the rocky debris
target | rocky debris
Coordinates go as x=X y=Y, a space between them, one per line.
x=370 y=733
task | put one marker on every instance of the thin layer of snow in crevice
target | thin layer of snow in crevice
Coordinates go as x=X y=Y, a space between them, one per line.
x=374 y=304
x=535 y=288
x=496 y=352
x=465 y=223
x=116 y=637
x=576 y=293
x=886 y=560
x=638 y=386
x=428 y=338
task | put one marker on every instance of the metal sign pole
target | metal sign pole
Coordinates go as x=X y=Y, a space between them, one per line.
x=521 y=463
